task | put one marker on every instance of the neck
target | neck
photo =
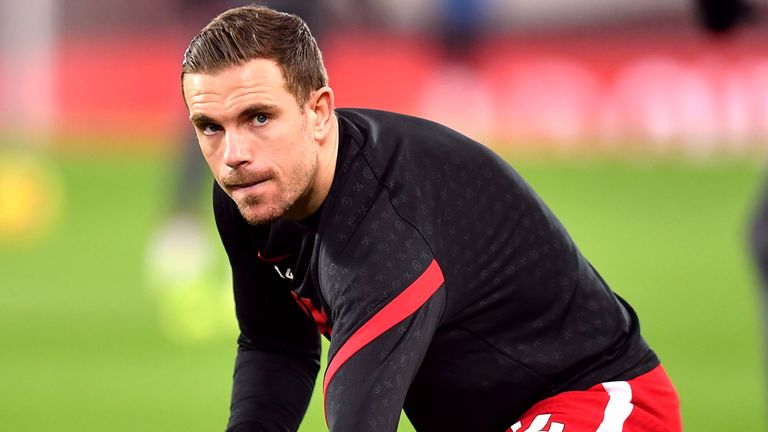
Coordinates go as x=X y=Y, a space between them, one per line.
x=326 y=169
x=326 y=166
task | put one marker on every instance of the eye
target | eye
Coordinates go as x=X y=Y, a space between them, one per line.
x=260 y=119
x=210 y=129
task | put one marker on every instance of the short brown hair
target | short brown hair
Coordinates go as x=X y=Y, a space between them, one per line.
x=251 y=32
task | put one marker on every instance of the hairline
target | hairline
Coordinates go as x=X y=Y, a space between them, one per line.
x=223 y=67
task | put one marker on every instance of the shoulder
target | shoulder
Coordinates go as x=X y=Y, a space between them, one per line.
x=388 y=140
x=236 y=234
x=366 y=263
x=225 y=210
x=378 y=125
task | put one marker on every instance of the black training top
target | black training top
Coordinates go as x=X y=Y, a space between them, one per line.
x=444 y=283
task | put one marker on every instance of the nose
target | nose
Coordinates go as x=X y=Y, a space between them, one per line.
x=237 y=150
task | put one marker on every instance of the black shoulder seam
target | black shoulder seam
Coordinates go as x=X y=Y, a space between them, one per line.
x=411 y=224
x=357 y=225
x=394 y=207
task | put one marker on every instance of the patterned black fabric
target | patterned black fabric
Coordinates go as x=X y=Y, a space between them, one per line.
x=521 y=314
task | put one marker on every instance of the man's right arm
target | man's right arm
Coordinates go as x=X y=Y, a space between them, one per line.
x=278 y=348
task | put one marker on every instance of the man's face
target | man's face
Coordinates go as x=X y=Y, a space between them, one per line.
x=255 y=137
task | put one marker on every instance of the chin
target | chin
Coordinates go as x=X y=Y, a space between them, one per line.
x=257 y=219
x=260 y=216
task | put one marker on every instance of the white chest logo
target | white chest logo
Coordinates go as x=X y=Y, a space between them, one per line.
x=288 y=274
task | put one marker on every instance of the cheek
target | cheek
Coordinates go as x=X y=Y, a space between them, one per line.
x=213 y=160
x=208 y=155
x=206 y=145
x=211 y=150
x=301 y=162
x=294 y=148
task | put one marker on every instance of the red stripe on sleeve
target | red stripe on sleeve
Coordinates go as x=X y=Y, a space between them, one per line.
x=402 y=306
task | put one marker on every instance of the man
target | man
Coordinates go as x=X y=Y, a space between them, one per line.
x=179 y=246
x=446 y=287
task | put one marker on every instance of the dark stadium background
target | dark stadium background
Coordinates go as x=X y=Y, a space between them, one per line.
x=643 y=132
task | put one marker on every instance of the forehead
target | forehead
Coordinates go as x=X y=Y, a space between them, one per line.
x=258 y=80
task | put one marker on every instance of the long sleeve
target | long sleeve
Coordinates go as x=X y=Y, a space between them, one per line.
x=371 y=371
x=278 y=348
x=270 y=391
x=387 y=296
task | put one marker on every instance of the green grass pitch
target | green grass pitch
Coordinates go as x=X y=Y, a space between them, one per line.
x=82 y=349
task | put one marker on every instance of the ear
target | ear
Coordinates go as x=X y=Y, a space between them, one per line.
x=321 y=106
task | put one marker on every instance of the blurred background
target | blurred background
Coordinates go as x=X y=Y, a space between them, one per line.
x=643 y=125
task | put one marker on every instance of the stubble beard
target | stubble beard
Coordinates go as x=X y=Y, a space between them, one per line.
x=294 y=188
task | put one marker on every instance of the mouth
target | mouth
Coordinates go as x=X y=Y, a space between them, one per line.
x=239 y=181
x=245 y=187
x=238 y=186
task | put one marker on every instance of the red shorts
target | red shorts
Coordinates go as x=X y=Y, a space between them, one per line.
x=648 y=403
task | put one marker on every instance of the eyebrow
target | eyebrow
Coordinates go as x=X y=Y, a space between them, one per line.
x=249 y=112
x=200 y=119
x=253 y=110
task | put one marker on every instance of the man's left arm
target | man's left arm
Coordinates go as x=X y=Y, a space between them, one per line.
x=382 y=331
